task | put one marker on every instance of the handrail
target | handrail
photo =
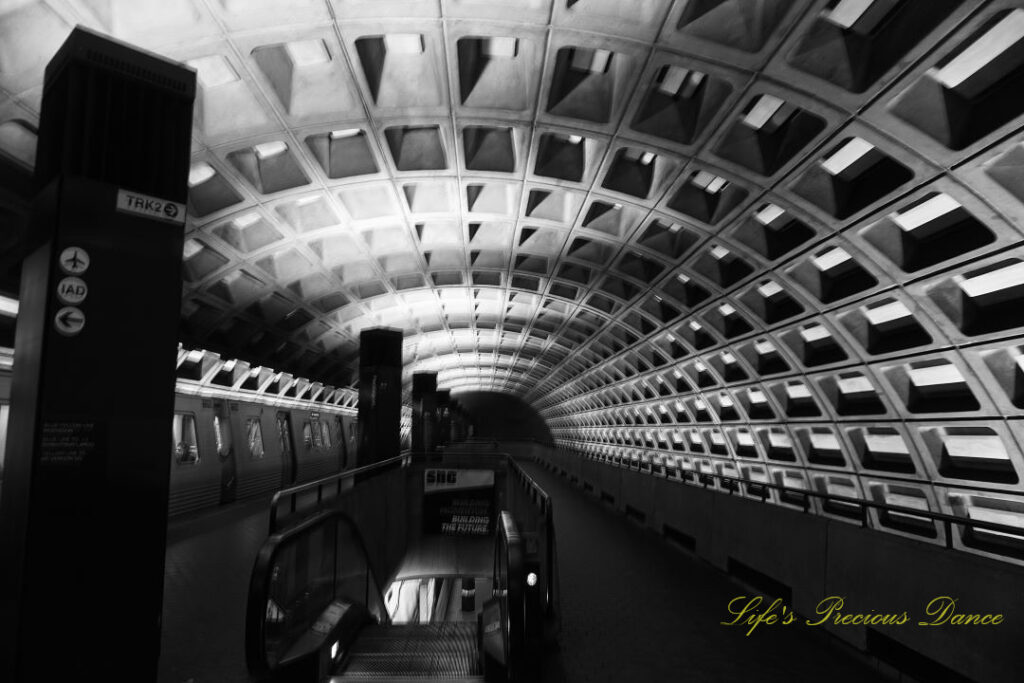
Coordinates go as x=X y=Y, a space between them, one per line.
x=455 y=453
x=264 y=574
x=539 y=496
x=339 y=481
x=494 y=443
x=542 y=501
x=450 y=451
x=508 y=439
x=336 y=479
x=946 y=519
x=509 y=556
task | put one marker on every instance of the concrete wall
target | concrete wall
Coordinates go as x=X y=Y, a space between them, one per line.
x=816 y=557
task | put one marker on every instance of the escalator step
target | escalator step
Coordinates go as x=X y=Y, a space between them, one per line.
x=421 y=665
x=347 y=678
x=417 y=652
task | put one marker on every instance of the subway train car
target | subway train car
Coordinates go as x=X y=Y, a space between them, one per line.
x=225 y=448
x=241 y=432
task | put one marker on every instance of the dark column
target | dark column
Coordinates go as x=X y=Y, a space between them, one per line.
x=458 y=421
x=380 y=394
x=424 y=409
x=84 y=507
x=444 y=416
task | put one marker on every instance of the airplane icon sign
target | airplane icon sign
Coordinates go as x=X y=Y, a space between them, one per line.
x=74 y=260
x=69 y=321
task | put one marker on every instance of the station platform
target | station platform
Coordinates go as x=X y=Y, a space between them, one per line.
x=634 y=608
x=206 y=582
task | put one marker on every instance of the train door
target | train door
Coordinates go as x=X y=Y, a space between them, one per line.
x=353 y=441
x=5 y=411
x=342 y=444
x=225 y=453
x=289 y=468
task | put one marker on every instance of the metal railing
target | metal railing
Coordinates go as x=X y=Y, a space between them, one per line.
x=478 y=444
x=314 y=493
x=461 y=458
x=329 y=487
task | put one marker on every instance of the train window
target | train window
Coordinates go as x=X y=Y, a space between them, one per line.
x=307 y=435
x=254 y=434
x=185 y=447
x=325 y=430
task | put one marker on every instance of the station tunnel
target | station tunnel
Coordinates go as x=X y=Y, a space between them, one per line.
x=748 y=274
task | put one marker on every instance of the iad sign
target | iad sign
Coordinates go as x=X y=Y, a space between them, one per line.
x=72 y=291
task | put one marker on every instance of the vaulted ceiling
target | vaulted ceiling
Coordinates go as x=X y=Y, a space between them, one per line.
x=685 y=225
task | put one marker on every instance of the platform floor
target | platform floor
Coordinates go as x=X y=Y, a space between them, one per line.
x=634 y=607
x=206 y=583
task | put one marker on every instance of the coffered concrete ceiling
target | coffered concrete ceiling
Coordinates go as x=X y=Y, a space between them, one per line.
x=741 y=229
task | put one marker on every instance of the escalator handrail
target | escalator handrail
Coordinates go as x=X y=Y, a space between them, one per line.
x=261 y=578
x=545 y=507
x=511 y=542
x=552 y=602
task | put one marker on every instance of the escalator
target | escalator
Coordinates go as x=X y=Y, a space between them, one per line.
x=316 y=613
x=395 y=652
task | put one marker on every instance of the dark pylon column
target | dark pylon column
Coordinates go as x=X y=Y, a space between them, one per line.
x=380 y=394
x=84 y=507
x=458 y=422
x=424 y=412
x=444 y=416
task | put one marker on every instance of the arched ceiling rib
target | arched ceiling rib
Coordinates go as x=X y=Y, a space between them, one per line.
x=677 y=225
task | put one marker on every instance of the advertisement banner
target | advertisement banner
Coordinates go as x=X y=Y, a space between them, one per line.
x=458 y=502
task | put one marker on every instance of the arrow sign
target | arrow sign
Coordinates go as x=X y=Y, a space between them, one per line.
x=69 y=321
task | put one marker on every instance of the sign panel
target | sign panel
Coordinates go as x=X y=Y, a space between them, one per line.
x=453 y=480
x=71 y=442
x=72 y=291
x=74 y=261
x=69 y=321
x=150 y=207
x=458 y=502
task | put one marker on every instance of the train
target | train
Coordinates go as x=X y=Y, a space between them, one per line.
x=256 y=433
x=226 y=449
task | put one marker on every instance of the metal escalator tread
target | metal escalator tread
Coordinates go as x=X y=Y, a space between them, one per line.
x=349 y=678
x=416 y=652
